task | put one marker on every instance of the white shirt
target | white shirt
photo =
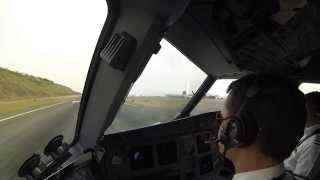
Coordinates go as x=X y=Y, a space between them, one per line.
x=261 y=174
x=304 y=156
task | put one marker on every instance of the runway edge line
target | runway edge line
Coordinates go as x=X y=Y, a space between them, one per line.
x=28 y=112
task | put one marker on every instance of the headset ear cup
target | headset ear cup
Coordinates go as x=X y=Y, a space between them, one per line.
x=235 y=132
x=229 y=132
x=223 y=136
x=248 y=129
x=242 y=132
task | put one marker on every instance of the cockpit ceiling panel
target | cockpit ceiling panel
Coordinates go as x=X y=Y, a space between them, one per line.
x=294 y=52
x=188 y=37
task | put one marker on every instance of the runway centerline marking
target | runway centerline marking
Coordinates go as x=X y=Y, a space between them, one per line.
x=35 y=110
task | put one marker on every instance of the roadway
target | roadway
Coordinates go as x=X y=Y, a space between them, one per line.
x=21 y=135
x=24 y=134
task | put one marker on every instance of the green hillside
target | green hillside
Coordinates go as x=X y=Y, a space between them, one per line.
x=15 y=85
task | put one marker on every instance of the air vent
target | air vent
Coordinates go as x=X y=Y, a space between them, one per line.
x=119 y=50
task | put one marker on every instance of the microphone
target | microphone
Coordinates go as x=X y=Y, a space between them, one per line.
x=212 y=140
x=228 y=170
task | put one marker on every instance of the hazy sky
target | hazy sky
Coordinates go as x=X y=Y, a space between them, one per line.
x=55 y=39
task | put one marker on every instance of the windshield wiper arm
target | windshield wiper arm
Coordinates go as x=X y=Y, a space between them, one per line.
x=196 y=98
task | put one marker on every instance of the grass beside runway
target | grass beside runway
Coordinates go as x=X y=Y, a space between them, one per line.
x=12 y=107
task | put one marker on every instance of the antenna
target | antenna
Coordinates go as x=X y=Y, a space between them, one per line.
x=188 y=88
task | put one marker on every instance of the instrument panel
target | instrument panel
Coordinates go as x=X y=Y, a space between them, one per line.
x=176 y=150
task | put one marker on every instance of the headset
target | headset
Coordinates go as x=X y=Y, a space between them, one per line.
x=240 y=129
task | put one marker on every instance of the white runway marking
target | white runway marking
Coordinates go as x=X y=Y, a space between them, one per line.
x=75 y=102
x=35 y=110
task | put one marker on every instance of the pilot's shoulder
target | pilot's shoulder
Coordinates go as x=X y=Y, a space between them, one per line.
x=316 y=140
x=312 y=143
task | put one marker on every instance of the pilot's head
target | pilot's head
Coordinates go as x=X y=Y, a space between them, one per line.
x=264 y=119
x=313 y=108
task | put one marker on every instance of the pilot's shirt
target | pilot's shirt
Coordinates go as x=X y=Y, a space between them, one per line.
x=304 y=156
x=262 y=174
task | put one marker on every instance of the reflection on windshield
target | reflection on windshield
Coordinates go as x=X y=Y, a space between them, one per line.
x=164 y=88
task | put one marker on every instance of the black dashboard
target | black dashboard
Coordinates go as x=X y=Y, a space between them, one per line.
x=176 y=150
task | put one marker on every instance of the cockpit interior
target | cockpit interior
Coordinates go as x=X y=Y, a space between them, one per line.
x=224 y=39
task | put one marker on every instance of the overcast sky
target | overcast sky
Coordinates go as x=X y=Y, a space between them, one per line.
x=55 y=39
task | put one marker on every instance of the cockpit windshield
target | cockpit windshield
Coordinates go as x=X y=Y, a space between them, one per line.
x=214 y=99
x=163 y=89
x=166 y=85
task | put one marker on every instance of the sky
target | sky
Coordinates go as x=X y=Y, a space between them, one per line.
x=55 y=39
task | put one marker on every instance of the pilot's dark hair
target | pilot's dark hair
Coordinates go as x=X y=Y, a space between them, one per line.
x=278 y=108
x=313 y=101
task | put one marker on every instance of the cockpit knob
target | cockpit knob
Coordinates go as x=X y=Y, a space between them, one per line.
x=29 y=167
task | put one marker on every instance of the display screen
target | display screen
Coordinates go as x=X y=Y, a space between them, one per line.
x=141 y=157
x=202 y=146
x=167 y=153
x=205 y=164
